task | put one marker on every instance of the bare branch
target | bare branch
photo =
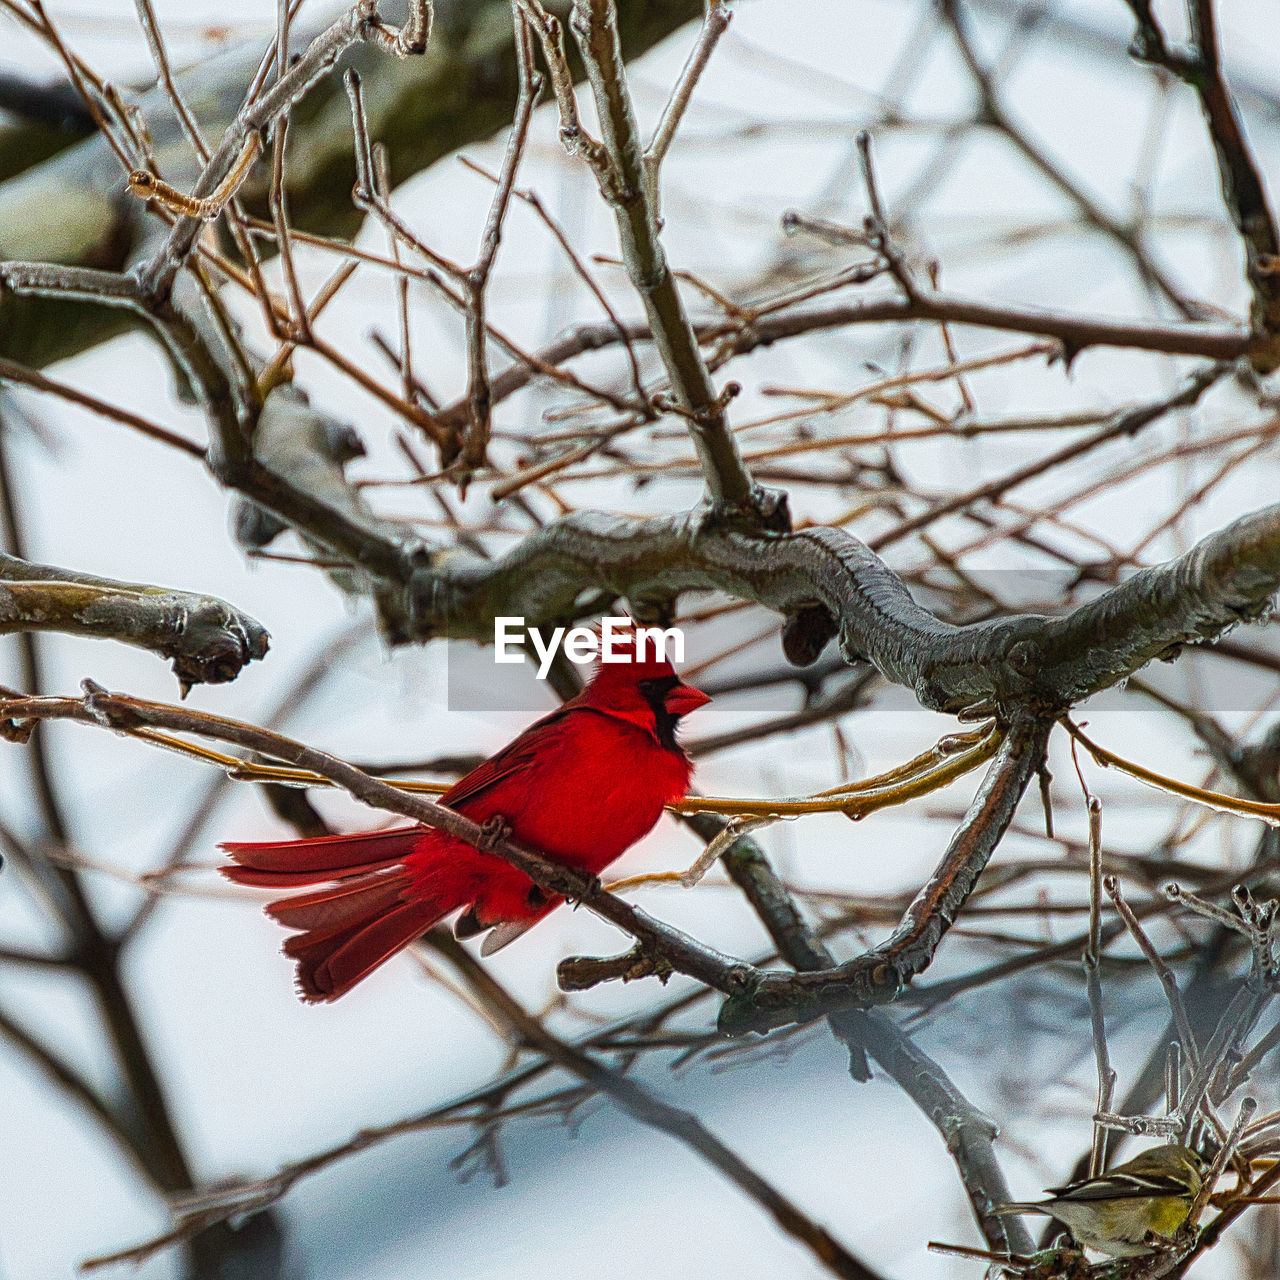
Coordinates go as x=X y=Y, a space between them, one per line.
x=360 y=22
x=625 y=187
x=208 y=640
x=645 y=1106
x=1243 y=191
x=1230 y=576
x=969 y=1136
x=16 y=373
x=714 y=25
x=126 y=714
x=879 y=976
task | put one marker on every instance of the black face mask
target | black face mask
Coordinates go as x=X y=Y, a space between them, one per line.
x=654 y=692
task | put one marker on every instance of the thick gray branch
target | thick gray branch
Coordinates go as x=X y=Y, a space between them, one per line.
x=1228 y=578
x=289 y=466
x=208 y=640
x=968 y=1134
x=625 y=186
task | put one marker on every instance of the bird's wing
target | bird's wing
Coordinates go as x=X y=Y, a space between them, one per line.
x=518 y=756
x=1119 y=1185
x=505 y=933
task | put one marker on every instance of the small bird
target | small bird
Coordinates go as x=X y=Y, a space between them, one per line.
x=581 y=786
x=1121 y=1211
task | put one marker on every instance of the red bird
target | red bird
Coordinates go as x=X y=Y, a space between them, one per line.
x=582 y=785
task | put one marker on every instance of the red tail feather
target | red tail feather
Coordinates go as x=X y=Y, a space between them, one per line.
x=330 y=964
x=320 y=859
x=368 y=912
x=350 y=929
x=326 y=909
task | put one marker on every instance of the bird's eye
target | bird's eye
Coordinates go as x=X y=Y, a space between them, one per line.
x=654 y=692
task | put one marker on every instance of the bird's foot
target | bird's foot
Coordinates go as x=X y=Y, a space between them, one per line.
x=591 y=886
x=493 y=832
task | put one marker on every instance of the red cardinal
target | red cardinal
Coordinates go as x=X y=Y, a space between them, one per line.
x=582 y=785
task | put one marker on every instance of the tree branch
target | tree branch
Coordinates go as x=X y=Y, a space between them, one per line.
x=1243 y=192
x=968 y=1134
x=879 y=975
x=423 y=108
x=129 y=715
x=741 y=335
x=1030 y=659
x=208 y=640
x=643 y=1105
x=624 y=181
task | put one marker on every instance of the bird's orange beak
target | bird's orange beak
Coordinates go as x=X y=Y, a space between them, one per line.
x=685 y=698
